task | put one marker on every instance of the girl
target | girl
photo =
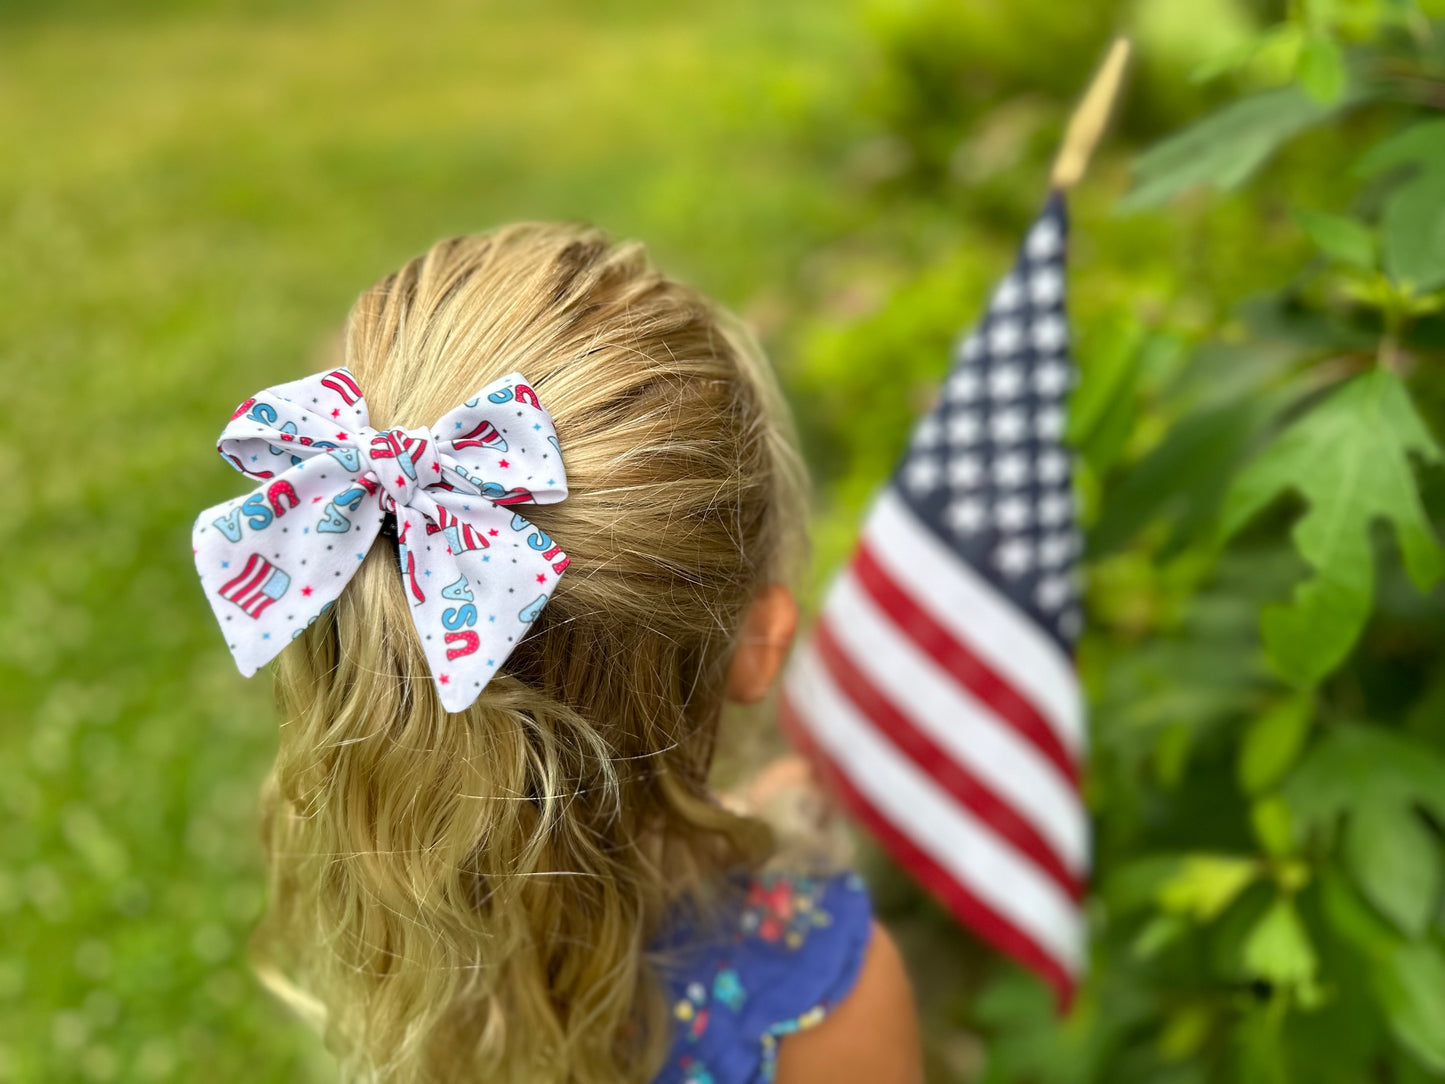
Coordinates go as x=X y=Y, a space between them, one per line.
x=540 y=886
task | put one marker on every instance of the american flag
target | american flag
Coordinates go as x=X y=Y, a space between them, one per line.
x=257 y=585
x=937 y=694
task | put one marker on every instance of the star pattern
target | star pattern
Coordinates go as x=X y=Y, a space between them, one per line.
x=986 y=468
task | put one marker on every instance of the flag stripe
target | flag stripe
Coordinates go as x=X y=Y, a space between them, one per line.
x=255 y=610
x=245 y=592
x=953 y=731
x=969 y=909
x=964 y=786
x=245 y=574
x=969 y=850
x=965 y=665
x=975 y=614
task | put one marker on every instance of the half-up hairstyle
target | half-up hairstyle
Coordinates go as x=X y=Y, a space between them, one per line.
x=471 y=897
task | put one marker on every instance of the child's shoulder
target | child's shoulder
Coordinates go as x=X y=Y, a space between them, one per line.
x=785 y=950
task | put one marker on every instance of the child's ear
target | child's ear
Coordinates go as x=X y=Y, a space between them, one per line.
x=763 y=643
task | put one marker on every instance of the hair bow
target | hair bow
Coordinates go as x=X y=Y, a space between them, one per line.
x=475 y=571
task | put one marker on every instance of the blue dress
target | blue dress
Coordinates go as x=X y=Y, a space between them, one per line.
x=777 y=964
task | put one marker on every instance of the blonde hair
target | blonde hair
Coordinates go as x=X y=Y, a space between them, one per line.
x=473 y=896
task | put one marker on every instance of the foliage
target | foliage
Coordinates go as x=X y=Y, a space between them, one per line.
x=1266 y=509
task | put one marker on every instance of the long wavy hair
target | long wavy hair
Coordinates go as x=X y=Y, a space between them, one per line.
x=473 y=896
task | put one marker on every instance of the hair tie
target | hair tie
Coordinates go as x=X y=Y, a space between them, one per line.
x=476 y=572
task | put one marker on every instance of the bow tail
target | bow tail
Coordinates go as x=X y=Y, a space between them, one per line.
x=273 y=560
x=478 y=575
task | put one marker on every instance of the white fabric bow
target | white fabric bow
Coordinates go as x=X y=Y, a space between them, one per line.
x=476 y=572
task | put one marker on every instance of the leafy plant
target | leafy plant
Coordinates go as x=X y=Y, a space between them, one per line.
x=1259 y=434
x=1289 y=926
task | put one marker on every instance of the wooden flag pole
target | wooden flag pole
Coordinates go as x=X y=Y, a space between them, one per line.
x=1090 y=118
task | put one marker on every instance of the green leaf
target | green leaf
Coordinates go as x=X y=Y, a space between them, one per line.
x=1225 y=148
x=1349 y=458
x=1414 y=232
x=1378 y=778
x=1158 y=933
x=1278 y=949
x=1359 y=766
x=1322 y=68
x=1413 y=221
x=1273 y=825
x=1171 y=753
x=1273 y=741
x=1206 y=884
x=1396 y=861
x=1410 y=983
x=1110 y=374
x=1351 y=918
x=1346 y=240
x=1259 y=1057
x=1185 y=476
x=1185 y=1030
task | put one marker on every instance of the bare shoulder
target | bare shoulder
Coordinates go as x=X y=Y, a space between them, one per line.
x=871 y=1036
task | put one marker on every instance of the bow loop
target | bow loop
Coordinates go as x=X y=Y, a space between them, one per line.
x=476 y=571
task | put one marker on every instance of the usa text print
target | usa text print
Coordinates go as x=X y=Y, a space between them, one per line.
x=457 y=617
x=542 y=543
x=278 y=491
x=258 y=515
x=337 y=523
x=521 y=392
x=264 y=413
x=467 y=639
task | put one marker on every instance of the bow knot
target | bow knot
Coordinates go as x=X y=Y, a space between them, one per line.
x=403 y=461
x=476 y=572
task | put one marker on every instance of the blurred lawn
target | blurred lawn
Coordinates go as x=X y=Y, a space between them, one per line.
x=191 y=197
x=190 y=202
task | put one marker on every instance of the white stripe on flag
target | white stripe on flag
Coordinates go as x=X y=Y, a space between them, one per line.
x=969 y=731
x=961 y=601
x=1005 y=881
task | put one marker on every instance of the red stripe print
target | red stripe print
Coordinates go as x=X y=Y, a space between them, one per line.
x=968 y=908
x=257 y=603
x=255 y=585
x=972 y=672
x=245 y=573
x=343 y=384
x=963 y=785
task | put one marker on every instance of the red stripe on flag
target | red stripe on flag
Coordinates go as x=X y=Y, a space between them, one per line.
x=245 y=573
x=966 y=907
x=956 y=658
x=243 y=593
x=962 y=784
x=255 y=611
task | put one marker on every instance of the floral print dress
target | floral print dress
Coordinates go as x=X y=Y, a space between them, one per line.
x=780 y=965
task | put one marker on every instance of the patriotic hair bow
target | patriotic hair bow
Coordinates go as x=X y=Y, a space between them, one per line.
x=476 y=572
